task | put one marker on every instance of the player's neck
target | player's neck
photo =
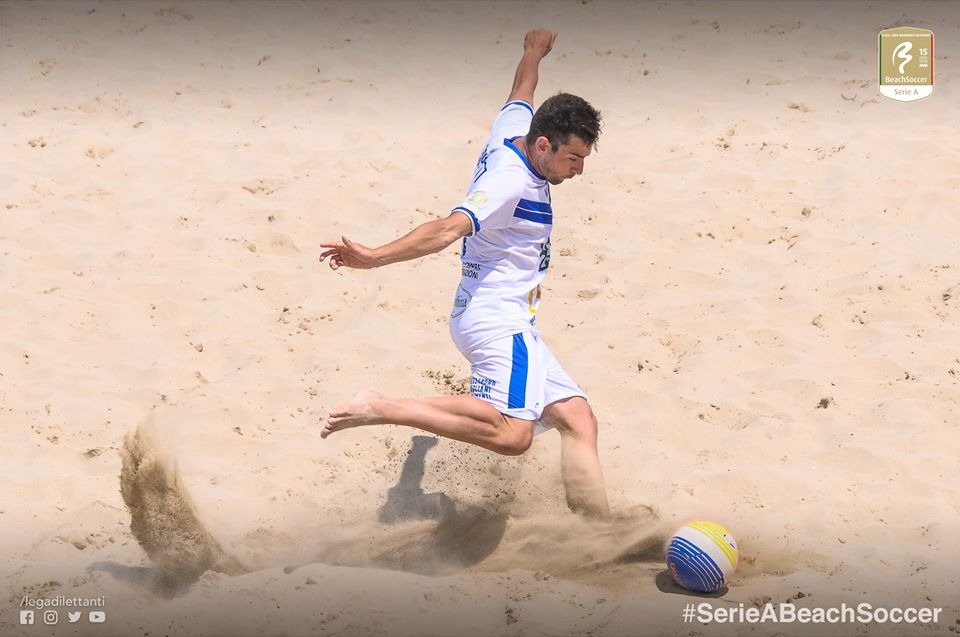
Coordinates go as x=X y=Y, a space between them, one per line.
x=521 y=144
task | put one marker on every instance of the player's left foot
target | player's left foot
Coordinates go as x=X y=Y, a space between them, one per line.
x=356 y=412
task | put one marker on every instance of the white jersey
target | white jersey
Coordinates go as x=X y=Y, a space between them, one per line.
x=507 y=254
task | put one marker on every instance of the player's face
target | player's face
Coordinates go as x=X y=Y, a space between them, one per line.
x=566 y=162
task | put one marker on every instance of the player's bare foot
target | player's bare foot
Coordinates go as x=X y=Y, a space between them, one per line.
x=356 y=412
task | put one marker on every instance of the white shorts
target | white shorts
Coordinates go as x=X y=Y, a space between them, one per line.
x=519 y=376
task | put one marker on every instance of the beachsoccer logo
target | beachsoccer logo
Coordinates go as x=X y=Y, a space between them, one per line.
x=905 y=62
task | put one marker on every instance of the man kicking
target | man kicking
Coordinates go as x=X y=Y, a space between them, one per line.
x=517 y=386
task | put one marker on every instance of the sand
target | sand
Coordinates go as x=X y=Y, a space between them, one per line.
x=755 y=280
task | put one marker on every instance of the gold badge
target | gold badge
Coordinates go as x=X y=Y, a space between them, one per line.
x=905 y=61
x=477 y=199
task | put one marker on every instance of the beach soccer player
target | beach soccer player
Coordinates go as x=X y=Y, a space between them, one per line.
x=517 y=387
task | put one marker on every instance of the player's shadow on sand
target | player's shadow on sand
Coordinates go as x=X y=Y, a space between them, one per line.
x=463 y=535
x=407 y=501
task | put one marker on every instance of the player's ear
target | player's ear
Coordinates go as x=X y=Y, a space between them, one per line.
x=543 y=144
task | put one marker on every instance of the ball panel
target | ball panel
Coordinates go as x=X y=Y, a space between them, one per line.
x=706 y=544
x=701 y=556
x=721 y=538
x=692 y=568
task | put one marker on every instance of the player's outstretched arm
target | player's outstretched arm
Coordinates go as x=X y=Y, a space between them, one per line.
x=427 y=238
x=536 y=44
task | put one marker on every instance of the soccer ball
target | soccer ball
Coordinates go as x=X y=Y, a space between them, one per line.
x=701 y=556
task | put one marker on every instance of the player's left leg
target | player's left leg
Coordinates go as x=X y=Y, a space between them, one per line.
x=463 y=418
x=579 y=458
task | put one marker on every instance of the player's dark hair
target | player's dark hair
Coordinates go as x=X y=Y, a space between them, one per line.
x=564 y=115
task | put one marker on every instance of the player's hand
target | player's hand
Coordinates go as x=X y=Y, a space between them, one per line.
x=346 y=253
x=539 y=41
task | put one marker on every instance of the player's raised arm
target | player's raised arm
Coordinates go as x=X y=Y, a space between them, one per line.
x=536 y=44
x=427 y=238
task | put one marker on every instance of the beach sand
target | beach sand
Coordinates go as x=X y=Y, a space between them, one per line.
x=755 y=281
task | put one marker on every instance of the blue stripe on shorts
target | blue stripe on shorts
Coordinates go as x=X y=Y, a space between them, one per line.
x=518 y=374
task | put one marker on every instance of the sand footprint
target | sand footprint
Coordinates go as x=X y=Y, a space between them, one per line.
x=275 y=243
x=262 y=186
x=450 y=382
x=99 y=152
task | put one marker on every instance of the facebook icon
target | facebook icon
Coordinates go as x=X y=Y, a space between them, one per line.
x=26 y=617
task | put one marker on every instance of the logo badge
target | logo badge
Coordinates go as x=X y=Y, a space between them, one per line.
x=460 y=302
x=73 y=618
x=50 y=617
x=26 y=617
x=97 y=617
x=905 y=63
x=477 y=199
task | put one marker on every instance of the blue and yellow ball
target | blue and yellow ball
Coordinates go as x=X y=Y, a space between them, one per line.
x=701 y=556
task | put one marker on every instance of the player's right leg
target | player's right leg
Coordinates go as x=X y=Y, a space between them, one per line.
x=464 y=418
x=579 y=460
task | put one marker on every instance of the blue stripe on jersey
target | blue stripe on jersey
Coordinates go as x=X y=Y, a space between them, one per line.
x=520 y=102
x=536 y=217
x=517 y=396
x=535 y=206
x=509 y=144
x=473 y=218
x=536 y=211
